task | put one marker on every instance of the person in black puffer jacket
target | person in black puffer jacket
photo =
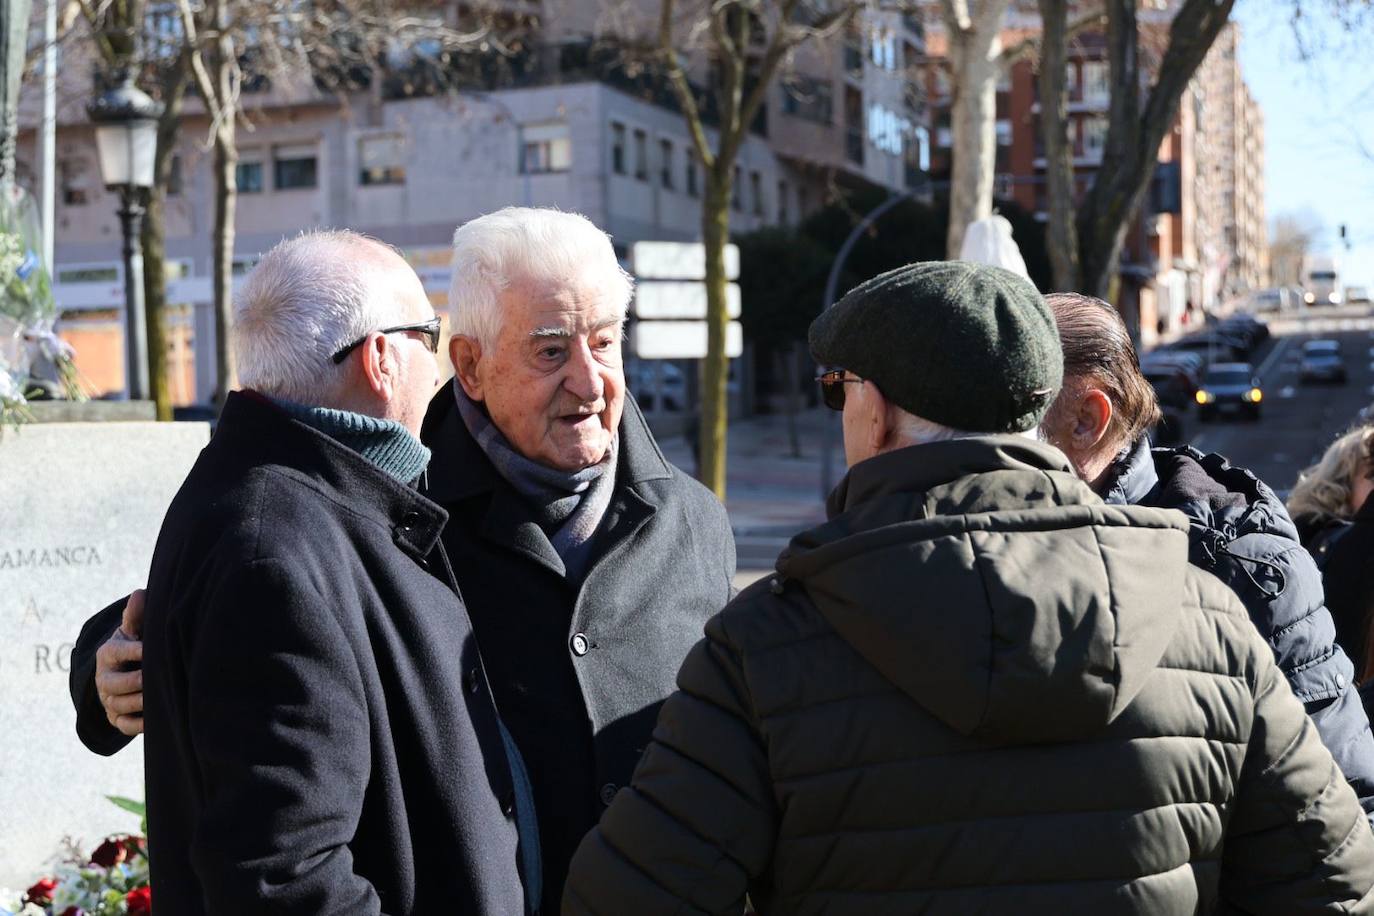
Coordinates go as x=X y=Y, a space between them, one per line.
x=1239 y=529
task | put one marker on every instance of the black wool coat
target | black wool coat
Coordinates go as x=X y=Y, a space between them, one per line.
x=580 y=668
x=320 y=737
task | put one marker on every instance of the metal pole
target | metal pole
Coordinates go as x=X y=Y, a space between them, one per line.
x=832 y=426
x=14 y=33
x=131 y=210
x=48 y=154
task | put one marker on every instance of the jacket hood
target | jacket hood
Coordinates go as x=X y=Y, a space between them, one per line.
x=990 y=585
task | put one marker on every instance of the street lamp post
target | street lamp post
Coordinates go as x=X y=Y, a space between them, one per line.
x=126 y=138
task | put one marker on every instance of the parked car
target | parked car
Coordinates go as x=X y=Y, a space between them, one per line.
x=1356 y=295
x=1172 y=386
x=1212 y=347
x=1322 y=362
x=667 y=391
x=1247 y=326
x=1229 y=388
x=1275 y=299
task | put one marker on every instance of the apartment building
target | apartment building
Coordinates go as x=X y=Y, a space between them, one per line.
x=1199 y=239
x=559 y=124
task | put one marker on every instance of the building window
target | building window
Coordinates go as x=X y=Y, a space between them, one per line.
x=691 y=179
x=1094 y=137
x=241 y=266
x=74 y=175
x=641 y=155
x=1096 y=88
x=782 y=202
x=665 y=164
x=808 y=99
x=1004 y=133
x=381 y=160
x=294 y=167
x=548 y=148
x=618 y=148
x=736 y=195
x=175 y=180
x=248 y=177
x=756 y=192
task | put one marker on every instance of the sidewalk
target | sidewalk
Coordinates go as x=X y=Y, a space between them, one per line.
x=770 y=495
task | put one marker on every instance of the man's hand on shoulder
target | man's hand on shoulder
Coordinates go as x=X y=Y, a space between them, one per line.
x=119 y=670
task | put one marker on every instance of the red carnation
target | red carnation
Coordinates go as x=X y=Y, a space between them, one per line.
x=41 y=893
x=110 y=853
x=140 y=900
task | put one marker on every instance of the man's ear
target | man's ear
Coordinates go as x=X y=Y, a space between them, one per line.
x=880 y=425
x=1092 y=419
x=466 y=353
x=378 y=361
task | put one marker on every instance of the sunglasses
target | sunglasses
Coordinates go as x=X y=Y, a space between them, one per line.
x=832 y=387
x=429 y=328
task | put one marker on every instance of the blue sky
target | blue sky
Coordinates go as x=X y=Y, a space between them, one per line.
x=1316 y=116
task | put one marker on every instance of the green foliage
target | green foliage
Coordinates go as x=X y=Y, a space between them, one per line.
x=133 y=807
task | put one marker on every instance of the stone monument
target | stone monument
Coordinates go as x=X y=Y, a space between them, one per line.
x=80 y=509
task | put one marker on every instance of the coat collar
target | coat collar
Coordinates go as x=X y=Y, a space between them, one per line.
x=1135 y=476
x=253 y=432
x=920 y=468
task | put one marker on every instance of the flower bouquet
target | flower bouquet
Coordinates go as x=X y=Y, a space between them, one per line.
x=111 y=881
x=27 y=310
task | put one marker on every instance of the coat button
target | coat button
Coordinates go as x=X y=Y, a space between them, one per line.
x=1340 y=681
x=410 y=521
x=508 y=804
x=579 y=644
x=608 y=793
x=474 y=680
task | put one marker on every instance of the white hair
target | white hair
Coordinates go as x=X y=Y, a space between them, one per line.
x=539 y=245
x=308 y=298
x=916 y=430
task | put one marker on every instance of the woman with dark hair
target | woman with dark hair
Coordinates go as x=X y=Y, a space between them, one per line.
x=1331 y=507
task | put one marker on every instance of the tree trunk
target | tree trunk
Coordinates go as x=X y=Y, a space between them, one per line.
x=154 y=242
x=226 y=197
x=1062 y=236
x=715 y=233
x=974 y=56
x=1135 y=131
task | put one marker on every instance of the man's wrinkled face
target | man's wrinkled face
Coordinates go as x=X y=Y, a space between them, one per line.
x=554 y=383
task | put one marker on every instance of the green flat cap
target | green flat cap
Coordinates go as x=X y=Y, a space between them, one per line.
x=965 y=345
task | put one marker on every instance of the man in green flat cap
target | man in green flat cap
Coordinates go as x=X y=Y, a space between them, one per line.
x=976 y=688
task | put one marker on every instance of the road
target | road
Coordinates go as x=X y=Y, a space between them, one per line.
x=1299 y=420
x=772 y=496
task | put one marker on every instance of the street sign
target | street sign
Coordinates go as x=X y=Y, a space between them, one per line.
x=677 y=261
x=680 y=300
x=680 y=339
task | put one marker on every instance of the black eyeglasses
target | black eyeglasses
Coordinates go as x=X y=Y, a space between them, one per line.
x=832 y=387
x=429 y=328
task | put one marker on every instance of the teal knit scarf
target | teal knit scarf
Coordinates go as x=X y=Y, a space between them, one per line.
x=385 y=443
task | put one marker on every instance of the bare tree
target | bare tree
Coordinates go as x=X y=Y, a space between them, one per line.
x=1291 y=237
x=974 y=33
x=748 y=42
x=1138 y=121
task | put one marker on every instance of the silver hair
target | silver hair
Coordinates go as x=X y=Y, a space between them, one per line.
x=916 y=430
x=308 y=298
x=534 y=244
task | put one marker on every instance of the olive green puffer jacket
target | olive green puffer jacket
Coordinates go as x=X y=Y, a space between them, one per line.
x=978 y=689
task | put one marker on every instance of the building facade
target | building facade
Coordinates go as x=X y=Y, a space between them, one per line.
x=407 y=163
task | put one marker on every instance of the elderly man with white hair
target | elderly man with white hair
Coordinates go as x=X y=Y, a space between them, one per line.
x=587 y=562
x=312 y=743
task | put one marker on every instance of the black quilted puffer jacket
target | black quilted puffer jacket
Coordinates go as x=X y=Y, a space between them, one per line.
x=979 y=689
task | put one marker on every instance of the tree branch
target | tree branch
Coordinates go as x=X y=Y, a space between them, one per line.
x=677 y=79
x=1027 y=47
